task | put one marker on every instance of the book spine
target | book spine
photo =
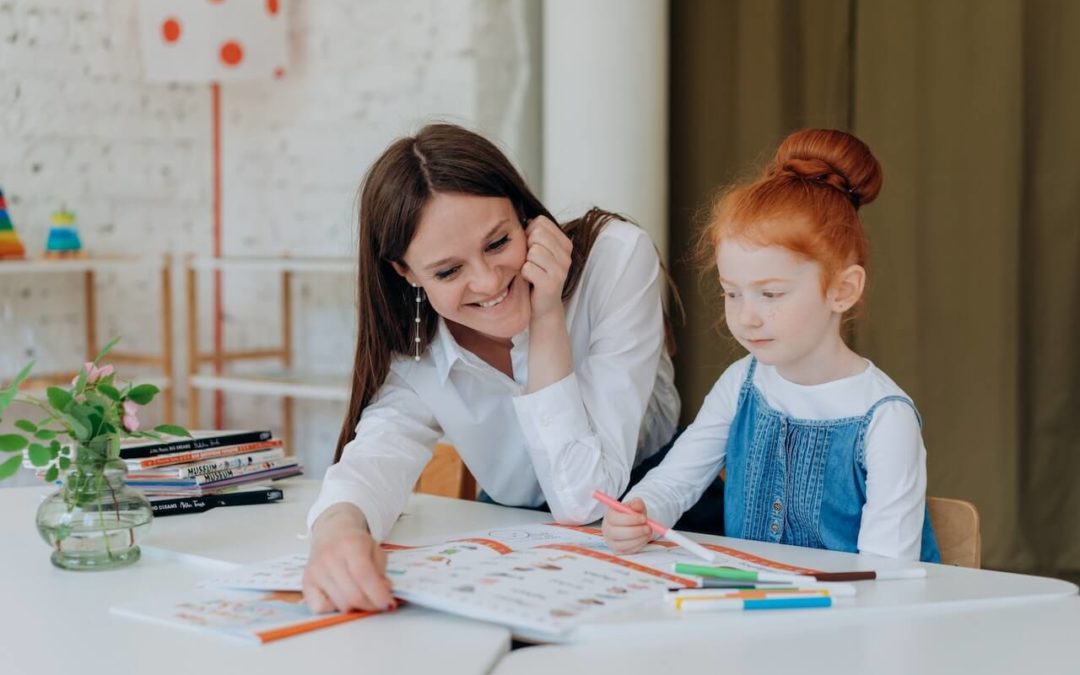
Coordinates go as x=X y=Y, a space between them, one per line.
x=223 y=474
x=199 y=455
x=237 y=461
x=179 y=505
x=189 y=444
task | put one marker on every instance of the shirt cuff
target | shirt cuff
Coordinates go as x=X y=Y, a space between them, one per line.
x=336 y=492
x=554 y=417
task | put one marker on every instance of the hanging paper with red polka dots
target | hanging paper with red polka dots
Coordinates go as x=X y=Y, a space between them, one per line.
x=213 y=40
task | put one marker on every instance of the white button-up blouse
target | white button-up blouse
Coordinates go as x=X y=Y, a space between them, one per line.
x=584 y=432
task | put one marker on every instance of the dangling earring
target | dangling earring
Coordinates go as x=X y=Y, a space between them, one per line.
x=416 y=321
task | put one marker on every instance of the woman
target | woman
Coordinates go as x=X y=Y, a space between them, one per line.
x=538 y=351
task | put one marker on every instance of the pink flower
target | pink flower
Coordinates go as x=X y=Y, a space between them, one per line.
x=93 y=373
x=131 y=423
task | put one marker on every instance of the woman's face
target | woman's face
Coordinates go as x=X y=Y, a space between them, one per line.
x=467 y=255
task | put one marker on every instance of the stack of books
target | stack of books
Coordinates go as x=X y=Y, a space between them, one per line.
x=212 y=468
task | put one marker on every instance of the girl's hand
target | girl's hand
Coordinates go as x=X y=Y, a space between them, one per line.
x=346 y=569
x=626 y=533
x=547 y=263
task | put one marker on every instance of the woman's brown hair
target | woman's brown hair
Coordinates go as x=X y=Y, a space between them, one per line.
x=441 y=158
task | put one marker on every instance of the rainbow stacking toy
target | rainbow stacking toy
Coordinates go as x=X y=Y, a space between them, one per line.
x=10 y=246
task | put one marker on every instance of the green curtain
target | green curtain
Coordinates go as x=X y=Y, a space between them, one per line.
x=973 y=301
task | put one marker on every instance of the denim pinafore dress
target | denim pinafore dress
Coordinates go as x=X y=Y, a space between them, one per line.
x=800 y=482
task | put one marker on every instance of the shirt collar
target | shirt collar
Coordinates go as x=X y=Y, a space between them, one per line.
x=445 y=350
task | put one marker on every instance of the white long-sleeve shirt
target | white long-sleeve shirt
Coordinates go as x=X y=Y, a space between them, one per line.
x=558 y=444
x=895 y=457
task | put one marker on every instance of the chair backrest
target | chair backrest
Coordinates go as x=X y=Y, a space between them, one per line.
x=956 y=526
x=446 y=475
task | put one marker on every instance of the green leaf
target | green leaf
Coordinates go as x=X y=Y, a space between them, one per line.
x=7 y=395
x=52 y=474
x=94 y=419
x=109 y=390
x=81 y=431
x=12 y=443
x=64 y=463
x=58 y=398
x=80 y=380
x=82 y=412
x=8 y=468
x=26 y=425
x=44 y=434
x=39 y=455
x=99 y=402
x=105 y=350
x=54 y=451
x=172 y=430
x=143 y=394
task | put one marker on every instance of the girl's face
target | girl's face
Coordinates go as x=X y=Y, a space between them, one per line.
x=467 y=255
x=775 y=307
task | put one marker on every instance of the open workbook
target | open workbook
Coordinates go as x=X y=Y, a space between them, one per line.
x=542 y=581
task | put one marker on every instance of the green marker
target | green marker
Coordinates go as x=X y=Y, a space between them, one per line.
x=738 y=575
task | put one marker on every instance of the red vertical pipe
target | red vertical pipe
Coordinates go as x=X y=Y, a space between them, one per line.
x=219 y=312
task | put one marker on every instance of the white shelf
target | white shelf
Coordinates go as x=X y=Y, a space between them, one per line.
x=293 y=385
x=68 y=265
x=259 y=264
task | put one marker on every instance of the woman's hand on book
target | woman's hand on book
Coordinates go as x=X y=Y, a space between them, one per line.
x=346 y=569
x=626 y=533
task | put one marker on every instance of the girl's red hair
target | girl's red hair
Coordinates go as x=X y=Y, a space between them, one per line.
x=806 y=200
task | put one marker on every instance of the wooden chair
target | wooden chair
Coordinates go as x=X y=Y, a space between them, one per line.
x=956 y=526
x=446 y=475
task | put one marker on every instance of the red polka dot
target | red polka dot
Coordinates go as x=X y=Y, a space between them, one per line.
x=272 y=6
x=232 y=53
x=170 y=30
x=279 y=73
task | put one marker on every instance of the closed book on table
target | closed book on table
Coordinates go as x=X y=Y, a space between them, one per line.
x=173 y=458
x=169 y=506
x=208 y=466
x=201 y=440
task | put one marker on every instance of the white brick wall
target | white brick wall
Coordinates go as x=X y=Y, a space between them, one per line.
x=132 y=159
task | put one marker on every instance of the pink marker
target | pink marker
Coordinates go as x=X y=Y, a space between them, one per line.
x=665 y=532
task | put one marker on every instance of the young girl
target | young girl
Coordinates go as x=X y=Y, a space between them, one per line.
x=537 y=349
x=822 y=449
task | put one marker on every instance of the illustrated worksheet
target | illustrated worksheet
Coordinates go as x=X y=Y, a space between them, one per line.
x=541 y=580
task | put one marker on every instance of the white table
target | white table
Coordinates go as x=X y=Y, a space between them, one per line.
x=1036 y=637
x=58 y=622
x=58 y=618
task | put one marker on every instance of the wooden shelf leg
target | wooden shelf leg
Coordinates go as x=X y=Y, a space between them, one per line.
x=286 y=358
x=192 y=344
x=91 y=315
x=169 y=393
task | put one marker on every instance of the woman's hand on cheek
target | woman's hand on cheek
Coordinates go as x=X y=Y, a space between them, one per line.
x=547 y=263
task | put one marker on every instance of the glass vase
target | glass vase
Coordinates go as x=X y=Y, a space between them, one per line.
x=95 y=521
